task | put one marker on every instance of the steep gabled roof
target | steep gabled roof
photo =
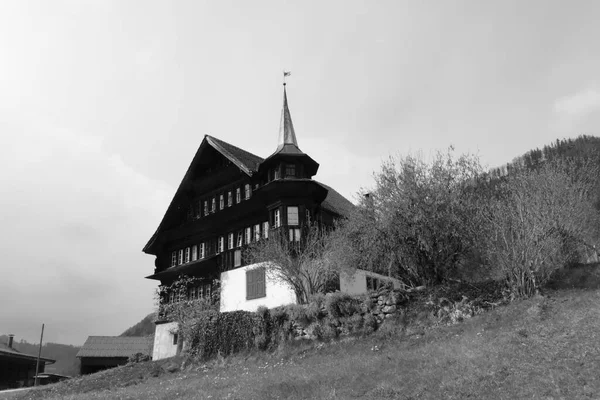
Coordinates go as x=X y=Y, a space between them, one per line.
x=114 y=346
x=244 y=160
x=336 y=203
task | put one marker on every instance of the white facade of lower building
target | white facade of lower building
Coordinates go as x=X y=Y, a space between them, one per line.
x=234 y=296
x=165 y=341
x=356 y=283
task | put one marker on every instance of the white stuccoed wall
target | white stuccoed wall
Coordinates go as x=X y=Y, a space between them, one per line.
x=357 y=283
x=233 y=291
x=163 y=341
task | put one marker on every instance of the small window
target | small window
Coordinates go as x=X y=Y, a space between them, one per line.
x=173 y=259
x=290 y=171
x=255 y=283
x=202 y=250
x=237 y=258
x=266 y=229
x=292 y=216
x=187 y=255
x=256 y=232
x=180 y=257
x=194 y=252
x=248 y=235
x=294 y=235
x=206 y=207
x=276 y=173
x=229 y=199
x=230 y=241
x=247 y=191
x=221 y=202
x=276 y=219
x=238 y=195
x=240 y=238
x=308 y=219
x=175 y=338
x=213 y=206
x=221 y=244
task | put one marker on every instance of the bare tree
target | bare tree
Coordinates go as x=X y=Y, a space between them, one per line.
x=308 y=266
x=537 y=221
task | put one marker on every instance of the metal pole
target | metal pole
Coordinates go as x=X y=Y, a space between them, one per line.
x=37 y=364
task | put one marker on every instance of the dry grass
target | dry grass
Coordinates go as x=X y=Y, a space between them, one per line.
x=542 y=348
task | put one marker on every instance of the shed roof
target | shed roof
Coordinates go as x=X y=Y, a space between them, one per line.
x=11 y=352
x=114 y=346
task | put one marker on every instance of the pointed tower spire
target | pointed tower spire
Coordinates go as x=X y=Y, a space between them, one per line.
x=287 y=135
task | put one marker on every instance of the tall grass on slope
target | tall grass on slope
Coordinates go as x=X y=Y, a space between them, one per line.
x=545 y=347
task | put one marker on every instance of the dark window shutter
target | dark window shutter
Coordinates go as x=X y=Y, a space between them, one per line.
x=255 y=283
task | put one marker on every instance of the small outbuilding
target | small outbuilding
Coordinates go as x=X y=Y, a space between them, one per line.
x=18 y=369
x=103 y=352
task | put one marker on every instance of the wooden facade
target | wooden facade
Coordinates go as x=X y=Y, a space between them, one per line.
x=229 y=198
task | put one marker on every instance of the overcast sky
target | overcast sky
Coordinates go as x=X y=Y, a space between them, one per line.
x=104 y=103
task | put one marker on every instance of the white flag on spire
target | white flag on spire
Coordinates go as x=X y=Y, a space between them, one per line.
x=286 y=73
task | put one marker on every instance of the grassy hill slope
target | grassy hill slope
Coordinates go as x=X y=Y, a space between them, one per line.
x=545 y=347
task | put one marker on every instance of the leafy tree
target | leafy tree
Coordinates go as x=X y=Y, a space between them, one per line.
x=417 y=223
x=308 y=266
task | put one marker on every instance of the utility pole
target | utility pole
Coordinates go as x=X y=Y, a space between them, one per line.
x=37 y=364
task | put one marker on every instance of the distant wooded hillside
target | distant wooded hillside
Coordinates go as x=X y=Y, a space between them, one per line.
x=581 y=148
x=65 y=355
x=143 y=328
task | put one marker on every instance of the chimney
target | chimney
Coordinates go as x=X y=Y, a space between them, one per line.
x=10 y=340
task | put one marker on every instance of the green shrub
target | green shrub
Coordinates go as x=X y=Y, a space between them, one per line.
x=213 y=333
x=339 y=305
x=369 y=323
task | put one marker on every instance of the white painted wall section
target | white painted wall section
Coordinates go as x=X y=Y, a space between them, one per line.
x=357 y=282
x=163 y=341
x=233 y=291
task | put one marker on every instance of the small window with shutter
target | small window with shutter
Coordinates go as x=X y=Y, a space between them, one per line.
x=255 y=283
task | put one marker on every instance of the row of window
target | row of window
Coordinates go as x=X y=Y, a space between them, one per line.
x=209 y=206
x=229 y=242
x=200 y=291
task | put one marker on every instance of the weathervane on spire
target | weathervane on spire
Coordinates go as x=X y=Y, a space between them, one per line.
x=286 y=73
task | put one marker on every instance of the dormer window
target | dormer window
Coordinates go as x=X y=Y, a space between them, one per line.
x=180 y=257
x=187 y=255
x=248 y=235
x=206 y=207
x=221 y=244
x=247 y=191
x=173 y=259
x=276 y=173
x=229 y=199
x=202 y=250
x=213 y=206
x=230 y=241
x=238 y=195
x=194 y=252
x=221 y=202
x=290 y=171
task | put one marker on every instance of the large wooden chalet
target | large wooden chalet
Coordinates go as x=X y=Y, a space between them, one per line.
x=227 y=199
